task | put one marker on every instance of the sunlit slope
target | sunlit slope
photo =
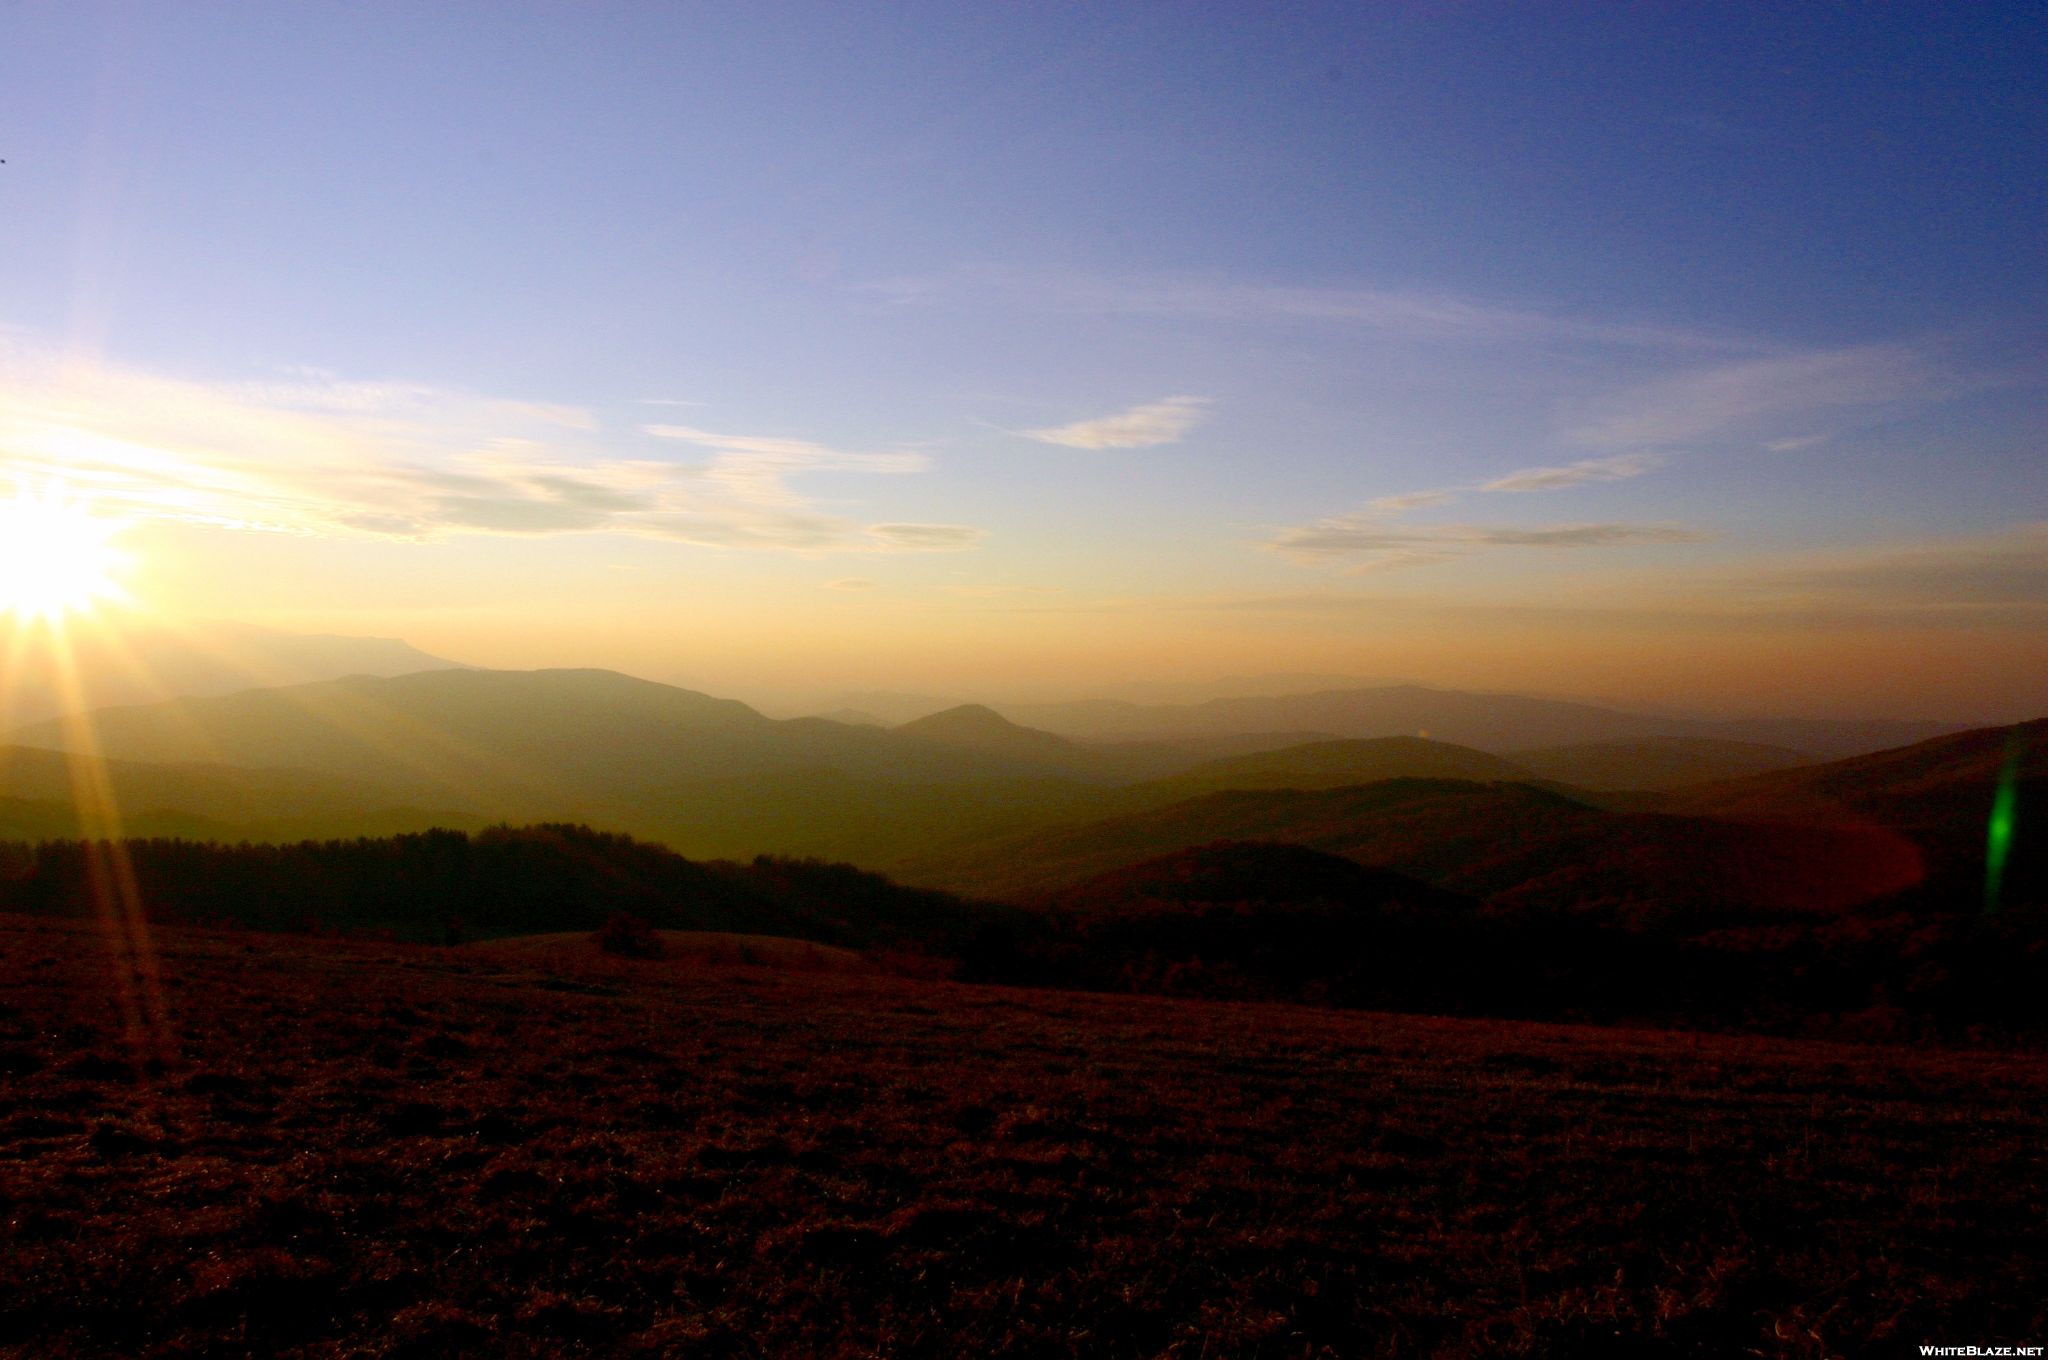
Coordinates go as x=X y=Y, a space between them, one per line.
x=1943 y=784
x=515 y=742
x=1510 y=843
x=28 y=820
x=1330 y=764
x=42 y=795
x=1489 y=722
x=1658 y=762
x=236 y=794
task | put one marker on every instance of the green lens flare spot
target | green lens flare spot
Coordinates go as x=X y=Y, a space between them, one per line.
x=2004 y=813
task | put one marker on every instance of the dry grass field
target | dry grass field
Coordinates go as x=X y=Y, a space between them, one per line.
x=573 y=951
x=324 y=1149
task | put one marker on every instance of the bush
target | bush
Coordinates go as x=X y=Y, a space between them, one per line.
x=628 y=935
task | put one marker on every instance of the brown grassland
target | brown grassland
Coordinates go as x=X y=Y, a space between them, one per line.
x=331 y=1148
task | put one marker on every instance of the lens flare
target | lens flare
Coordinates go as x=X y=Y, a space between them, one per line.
x=2005 y=808
x=54 y=555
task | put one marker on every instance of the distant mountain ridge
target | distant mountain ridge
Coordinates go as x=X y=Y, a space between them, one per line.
x=899 y=707
x=977 y=727
x=1498 y=723
x=138 y=662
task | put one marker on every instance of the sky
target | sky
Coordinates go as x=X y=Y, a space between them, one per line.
x=1686 y=357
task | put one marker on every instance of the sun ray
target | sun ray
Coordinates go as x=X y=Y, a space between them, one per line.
x=122 y=915
x=56 y=563
x=55 y=557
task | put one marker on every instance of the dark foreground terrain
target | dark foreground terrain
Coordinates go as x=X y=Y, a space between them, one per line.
x=324 y=1149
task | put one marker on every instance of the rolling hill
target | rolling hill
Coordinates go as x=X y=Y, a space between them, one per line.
x=1941 y=793
x=977 y=728
x=1512 y=844
x=39 y=798
x=1815 y=838
x=1327 y=765
x=1945 y=784
x=1658 y=762
x=1243 y=921
x=881 y=822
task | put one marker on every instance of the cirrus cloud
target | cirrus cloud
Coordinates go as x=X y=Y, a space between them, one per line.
x=926 y=537
x=1757 y=397
x=1587 y=470
x=1343 y=536
x=1159 y=422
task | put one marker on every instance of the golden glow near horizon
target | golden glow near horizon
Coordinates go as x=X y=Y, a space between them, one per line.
x=54 y=555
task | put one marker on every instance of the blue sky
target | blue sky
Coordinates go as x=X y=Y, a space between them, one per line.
x=1621 y=350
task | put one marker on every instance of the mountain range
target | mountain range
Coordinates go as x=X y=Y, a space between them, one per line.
x=1488 y=722
x=969 y=800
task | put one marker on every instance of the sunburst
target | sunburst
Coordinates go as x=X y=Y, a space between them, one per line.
x=55 y=557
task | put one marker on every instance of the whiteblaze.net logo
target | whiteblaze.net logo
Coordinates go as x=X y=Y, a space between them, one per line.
x=1982 y=1350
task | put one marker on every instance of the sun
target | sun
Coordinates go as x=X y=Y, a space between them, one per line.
x=54 y=556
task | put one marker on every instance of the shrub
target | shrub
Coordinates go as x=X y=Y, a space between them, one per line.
x=628 y=935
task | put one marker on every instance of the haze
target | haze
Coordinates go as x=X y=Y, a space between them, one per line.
x=1685 y=358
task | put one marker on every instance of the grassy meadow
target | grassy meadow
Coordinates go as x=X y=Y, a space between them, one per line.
x=322 y=1148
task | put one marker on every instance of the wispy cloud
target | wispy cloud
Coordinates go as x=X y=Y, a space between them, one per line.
x=326 y=457
x=927 y=537
x=851 y=583
x=1159 y=422
x=1384 y=545
x=1529 y=479
x=1407 y=313
x=1345 y=536
x=1412 y=500
x=1793 y=445
x=756 y=467
x=1574 y=474
x=1755 y=395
